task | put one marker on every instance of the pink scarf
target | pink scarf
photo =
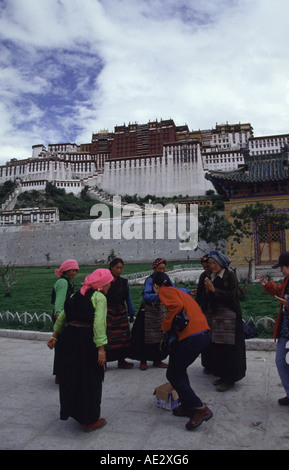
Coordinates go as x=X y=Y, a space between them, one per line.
x=96 y=280
x=67 y=266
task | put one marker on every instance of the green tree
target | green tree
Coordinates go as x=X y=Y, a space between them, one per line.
x=6 y=189
x=214 y=229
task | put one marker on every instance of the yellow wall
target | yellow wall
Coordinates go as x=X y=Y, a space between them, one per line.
x=278 y=201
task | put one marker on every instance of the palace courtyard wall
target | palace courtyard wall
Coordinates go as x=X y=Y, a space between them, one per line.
x=52 y=243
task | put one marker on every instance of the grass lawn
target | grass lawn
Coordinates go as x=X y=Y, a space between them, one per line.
x=33 y=293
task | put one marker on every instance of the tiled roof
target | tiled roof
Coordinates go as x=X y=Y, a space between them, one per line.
x=256 y=168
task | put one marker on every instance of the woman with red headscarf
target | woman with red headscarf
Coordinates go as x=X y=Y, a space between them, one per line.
x=119 y=307
x=83 y=328
x=62 y=290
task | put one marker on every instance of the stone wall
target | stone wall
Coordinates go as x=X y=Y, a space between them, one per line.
x=28 y=245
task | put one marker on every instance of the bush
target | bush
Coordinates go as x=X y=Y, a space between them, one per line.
x=6 y=189
x=70 y=207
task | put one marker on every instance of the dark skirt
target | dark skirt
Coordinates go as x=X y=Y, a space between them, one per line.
x=146 y=334
x=57 y=352
x=118 y=333
x=57 y=356
x=227 y=360
x=81 y=376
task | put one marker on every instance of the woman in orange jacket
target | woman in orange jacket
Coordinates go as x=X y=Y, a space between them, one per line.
x=281 y=326
x=194 y=339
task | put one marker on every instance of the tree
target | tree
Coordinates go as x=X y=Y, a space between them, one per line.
x=213 y=226
x=6 y=189
x=252 y=219
x=9 y=277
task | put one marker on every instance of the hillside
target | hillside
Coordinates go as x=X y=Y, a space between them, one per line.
x=5 y=190
x=70 y=207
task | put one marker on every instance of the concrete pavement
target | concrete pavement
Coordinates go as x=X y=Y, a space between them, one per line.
x=246 y=417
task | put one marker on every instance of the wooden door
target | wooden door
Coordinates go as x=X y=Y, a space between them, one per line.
x=269 y=243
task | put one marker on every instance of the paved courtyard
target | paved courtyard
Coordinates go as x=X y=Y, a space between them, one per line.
x=246 y=417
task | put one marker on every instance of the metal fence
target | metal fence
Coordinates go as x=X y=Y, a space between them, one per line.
x=140 y=275
x=25 y=317
x=178 y=267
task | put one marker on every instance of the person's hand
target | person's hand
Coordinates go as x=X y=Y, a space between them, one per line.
x=263 y=280
x=101 y=356
x=193 y=291
x=51 y=342
x=156 y=288
x=209 y=285
x=283 y=301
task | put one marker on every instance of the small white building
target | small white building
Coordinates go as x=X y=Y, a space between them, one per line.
x=29 y=215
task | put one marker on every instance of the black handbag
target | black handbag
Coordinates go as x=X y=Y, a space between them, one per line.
x=167 y=343
x=180 y=321
x=179 y=324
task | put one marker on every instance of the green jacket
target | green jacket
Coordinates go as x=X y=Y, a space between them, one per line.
x=99 y=303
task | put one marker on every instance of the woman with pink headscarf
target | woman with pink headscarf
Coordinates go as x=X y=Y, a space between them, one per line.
x=62 y=290
x=83 y=327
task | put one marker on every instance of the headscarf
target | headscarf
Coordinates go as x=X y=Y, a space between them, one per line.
x=221 y=259
x=67 y=266
x=157 y=262
x=96 y=280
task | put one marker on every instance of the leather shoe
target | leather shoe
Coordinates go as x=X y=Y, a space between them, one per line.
x=161 y=365
x=218 y=381
x=284 y=401
x=181 y=410
x=97 y=425
x=224 y=387
x=200 y=415
x=125 y=365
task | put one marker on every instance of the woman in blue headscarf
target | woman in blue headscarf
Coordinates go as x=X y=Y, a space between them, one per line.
x=226 y=355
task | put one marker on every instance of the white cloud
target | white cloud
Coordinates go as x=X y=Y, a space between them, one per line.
x=72 y=67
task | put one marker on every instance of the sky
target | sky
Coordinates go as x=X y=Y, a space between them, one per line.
x=70 y=68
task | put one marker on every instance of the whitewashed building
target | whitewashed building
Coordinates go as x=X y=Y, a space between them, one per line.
x=178 y=168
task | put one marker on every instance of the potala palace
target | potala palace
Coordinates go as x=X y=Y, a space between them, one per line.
x=157 y=158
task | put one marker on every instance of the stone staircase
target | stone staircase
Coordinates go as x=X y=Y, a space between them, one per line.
x=10 y=202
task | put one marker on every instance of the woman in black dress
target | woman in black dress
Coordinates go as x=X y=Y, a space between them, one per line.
x=83 y=328
x=62 y=290
x=226 y=355
x=119 y=307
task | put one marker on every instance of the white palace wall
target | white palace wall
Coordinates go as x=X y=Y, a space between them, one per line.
x=179 y=171
x=70 y=175
x=160 y=176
